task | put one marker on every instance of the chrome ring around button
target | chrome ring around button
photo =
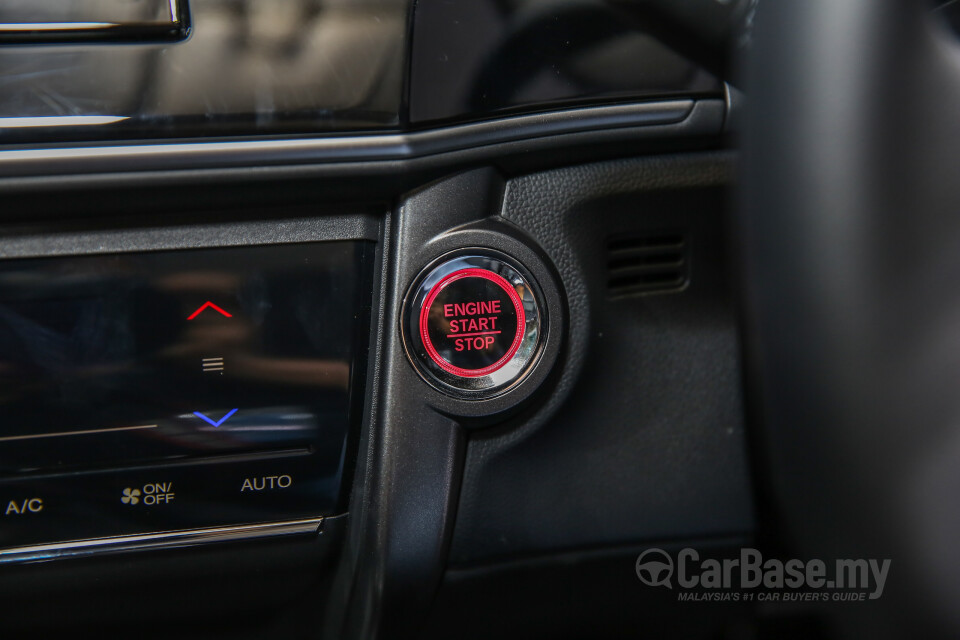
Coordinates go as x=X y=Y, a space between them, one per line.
x=472 y=325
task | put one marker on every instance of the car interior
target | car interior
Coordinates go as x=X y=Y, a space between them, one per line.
x=473 y=319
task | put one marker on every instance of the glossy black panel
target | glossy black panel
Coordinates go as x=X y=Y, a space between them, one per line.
x=319 y=66
x=250 y=66
x=472 y=59
x=220 y=350
x=227 y=374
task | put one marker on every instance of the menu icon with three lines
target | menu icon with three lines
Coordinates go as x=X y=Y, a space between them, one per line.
x=212 y=365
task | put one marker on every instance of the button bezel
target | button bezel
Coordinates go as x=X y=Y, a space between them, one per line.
x=503 y=375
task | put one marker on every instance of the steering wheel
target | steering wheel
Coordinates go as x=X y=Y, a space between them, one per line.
x=850 y=232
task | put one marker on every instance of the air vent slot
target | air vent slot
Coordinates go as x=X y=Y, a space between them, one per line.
x=647 y=264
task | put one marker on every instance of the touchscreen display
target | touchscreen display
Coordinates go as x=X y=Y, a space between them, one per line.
x=135 y=358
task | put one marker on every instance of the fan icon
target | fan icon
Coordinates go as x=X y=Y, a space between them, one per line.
x=130 y=496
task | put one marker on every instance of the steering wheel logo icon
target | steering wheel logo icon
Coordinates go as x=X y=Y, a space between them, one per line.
x=655 y=568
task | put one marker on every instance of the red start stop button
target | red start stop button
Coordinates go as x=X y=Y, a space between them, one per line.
x=472 y=322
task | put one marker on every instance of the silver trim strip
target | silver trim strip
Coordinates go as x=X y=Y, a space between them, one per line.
x=59 y=121
x=63 y=434
x=169 y=539
x=165 y=156
x=56 y=26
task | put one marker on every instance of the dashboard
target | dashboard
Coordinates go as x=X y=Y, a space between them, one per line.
x=364 y=319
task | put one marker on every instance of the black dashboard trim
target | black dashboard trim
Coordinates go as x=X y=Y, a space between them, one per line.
x=662 y=118
x=346 y=226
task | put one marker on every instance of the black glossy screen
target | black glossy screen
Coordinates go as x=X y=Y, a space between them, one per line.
x=151 y=358
x=248 y=67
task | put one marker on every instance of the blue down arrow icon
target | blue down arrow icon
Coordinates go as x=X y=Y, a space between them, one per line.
x=217 y=423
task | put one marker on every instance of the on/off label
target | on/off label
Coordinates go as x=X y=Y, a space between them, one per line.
x=150 y=494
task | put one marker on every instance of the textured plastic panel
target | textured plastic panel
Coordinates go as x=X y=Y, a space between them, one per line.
x=650 y=441
x=583 y=594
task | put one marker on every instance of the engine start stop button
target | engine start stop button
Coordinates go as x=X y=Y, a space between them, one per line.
x=473 y=324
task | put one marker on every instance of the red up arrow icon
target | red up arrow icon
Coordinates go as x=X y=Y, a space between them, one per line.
x=208 y=305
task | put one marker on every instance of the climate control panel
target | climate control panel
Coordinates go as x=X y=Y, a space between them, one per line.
x=143 y=394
